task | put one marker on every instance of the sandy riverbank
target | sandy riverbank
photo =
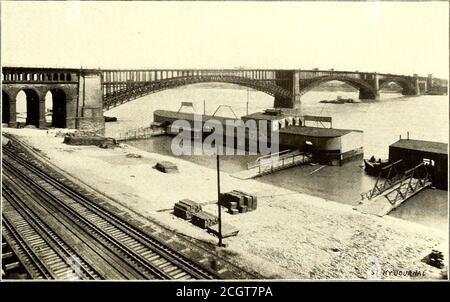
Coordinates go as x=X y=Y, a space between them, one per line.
x=342 y=184
x=292 y=235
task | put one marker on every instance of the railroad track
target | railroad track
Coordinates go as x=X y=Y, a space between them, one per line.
x=142 y=256
x=12 y=267
x=45 y=254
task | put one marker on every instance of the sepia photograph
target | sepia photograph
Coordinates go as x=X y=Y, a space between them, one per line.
x=224 y=140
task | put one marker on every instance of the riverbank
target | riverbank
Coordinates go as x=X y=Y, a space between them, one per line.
x=291 y=235
x=343 y=184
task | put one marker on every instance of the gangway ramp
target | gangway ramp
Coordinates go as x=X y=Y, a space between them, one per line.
x=274 y=162
x=384 y=201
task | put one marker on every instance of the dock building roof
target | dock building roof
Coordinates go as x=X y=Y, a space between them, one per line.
x=316 y=131
x=420 y=145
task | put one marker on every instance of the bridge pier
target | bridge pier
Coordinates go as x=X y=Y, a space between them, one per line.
x=9 y=108
x=418 y=90
x=296 y=92
x=89 y=115
x=374 y=81
x=290 y=80
x=41 y=119
x=429 y=82
x=71 y=109
x=365 y=94
x=12 y=121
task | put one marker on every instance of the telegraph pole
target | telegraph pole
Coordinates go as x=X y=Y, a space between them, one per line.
x=218 y=198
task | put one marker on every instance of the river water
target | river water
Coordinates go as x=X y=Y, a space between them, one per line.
x=383 y=121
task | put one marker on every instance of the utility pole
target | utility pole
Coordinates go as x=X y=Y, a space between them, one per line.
x=218 y=198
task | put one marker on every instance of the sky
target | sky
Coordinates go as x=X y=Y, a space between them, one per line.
x=400 y=38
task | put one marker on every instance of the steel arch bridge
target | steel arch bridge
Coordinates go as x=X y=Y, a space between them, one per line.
x=287 y=86
x=131 y=91
x=81 y=95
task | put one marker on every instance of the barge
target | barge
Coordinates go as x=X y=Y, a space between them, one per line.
x=339 y=100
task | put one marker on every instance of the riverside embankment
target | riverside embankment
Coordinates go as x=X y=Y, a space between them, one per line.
x=290 y=235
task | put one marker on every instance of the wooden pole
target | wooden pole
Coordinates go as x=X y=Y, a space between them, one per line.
x=218 y=198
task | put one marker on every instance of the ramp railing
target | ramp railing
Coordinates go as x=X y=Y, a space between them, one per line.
x=388 y=177
x=415 y=179
x=268 y=158
x=277 y=163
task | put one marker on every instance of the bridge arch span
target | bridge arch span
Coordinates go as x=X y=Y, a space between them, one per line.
x=408 y=87
x=31 y=99
x=366 y=91
x=58 y=107
x=136 y=90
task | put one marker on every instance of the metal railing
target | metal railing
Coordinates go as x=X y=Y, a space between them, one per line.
x=403 y=184
x=287 y=159
x=385 y=180
x=413 y=181
x=260 y=159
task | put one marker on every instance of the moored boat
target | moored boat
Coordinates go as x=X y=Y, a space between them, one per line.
x=373 y=167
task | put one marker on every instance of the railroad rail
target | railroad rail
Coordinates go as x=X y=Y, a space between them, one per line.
x=49 y=257
x=138 y=254
x=12 y=267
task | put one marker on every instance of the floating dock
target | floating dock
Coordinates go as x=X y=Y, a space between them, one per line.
x=328 y=146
